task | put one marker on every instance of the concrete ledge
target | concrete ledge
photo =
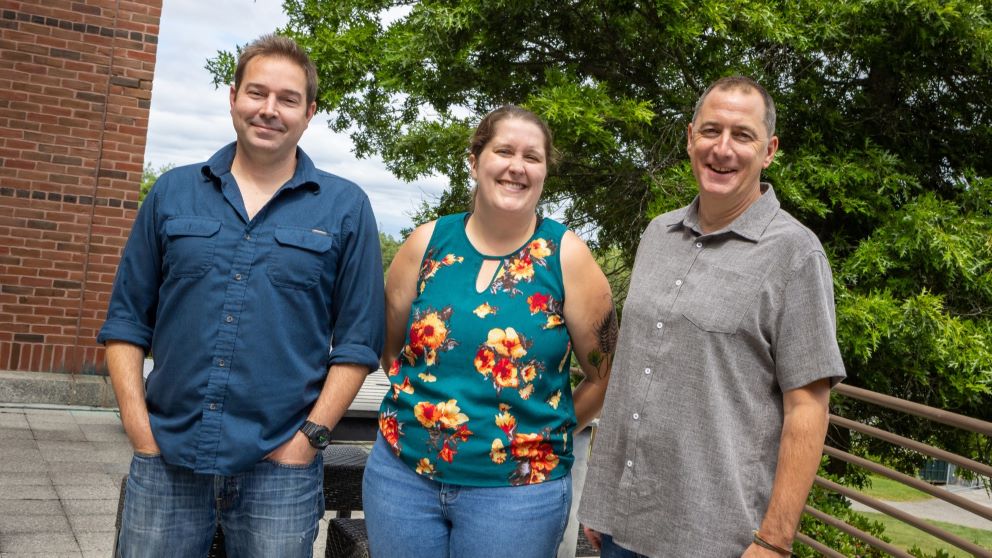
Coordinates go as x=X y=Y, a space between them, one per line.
x=41 y=388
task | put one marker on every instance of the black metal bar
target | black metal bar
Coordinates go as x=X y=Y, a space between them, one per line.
x=356 y=426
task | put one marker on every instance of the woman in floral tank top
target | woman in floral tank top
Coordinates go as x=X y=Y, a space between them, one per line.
x=483 y=312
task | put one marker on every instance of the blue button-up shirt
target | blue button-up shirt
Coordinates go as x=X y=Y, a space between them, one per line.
x=240 y=314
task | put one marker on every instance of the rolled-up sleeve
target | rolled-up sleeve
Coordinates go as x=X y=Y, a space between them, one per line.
x=359 y=301
x=133 y=302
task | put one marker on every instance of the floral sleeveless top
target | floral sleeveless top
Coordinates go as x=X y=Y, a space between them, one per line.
x=480 y=393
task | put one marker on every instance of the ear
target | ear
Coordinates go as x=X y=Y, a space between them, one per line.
x=311 y=110
x=688 y=139
x=770 y=152
x=472 y=166
x=234 y=95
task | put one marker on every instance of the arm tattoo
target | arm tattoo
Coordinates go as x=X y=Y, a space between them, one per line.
x=607 y=331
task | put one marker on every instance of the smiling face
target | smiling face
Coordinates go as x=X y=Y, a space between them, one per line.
x=510 y=169
x=269 y=108
x=728 y=146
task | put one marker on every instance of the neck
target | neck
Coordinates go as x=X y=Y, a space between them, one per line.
x=717 y=212
x=262 y=174
x=499 y=234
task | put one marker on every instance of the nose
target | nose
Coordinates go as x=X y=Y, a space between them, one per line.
x=269 y=106
x=722 y=146
x=517 y=164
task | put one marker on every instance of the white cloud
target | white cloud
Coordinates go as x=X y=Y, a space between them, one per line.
x=189 y=118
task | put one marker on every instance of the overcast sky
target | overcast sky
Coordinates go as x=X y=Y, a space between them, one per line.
x=190 y=119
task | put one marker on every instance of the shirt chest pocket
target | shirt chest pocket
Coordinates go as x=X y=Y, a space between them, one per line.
x=190 y=247
x=715 y=299
x=298 y=257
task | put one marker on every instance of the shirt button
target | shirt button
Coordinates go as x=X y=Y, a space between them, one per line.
x=699 y=245
x=636 y=416
x=630 y=463
x=237 y=276
x=659 y=325
x=678 y=282
x=247 y=236
x=220 y=363
x=647 y=371
x=228 y=318
x=213 y=406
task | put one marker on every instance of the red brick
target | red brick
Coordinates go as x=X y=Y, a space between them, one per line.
x=51 y=112
x=5 y=355
x=36 y=357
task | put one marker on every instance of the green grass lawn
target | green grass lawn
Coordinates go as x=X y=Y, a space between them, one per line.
x=904 y=536
x=886 y=489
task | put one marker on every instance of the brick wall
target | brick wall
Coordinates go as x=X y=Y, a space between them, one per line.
x=75 y=89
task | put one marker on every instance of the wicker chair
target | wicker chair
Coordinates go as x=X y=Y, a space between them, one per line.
x=344 y=466
x=582 y=548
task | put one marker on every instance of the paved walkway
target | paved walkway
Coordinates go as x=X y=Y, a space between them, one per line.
x=940 y=510
x=60 y=471
x=60 y=474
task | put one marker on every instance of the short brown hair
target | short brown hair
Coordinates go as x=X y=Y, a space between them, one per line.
x=745 y=84
x=277 y=45
x=486 y=129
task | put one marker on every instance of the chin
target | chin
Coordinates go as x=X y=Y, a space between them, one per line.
x=515 y=207
x=717 y=189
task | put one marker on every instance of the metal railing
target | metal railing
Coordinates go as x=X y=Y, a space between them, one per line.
x=937 y=415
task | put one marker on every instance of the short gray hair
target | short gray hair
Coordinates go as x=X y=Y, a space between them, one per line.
x=746 y=85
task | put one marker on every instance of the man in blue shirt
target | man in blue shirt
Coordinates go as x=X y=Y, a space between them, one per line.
x=255 y=280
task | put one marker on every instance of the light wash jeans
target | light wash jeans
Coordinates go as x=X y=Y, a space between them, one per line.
x=409 y=515
x=271 y=510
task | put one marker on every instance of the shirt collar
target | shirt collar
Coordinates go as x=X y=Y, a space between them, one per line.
x=750 y=224
x=304 y=175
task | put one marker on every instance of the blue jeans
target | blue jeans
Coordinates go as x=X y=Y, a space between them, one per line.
x=271 y=510
x=611 y=549
x=409 y=515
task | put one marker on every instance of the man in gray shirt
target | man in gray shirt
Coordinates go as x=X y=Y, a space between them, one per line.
x=715 y=418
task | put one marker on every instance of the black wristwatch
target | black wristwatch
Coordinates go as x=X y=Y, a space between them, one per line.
x=319 y=435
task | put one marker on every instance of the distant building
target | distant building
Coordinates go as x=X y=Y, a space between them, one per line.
x=75 y=90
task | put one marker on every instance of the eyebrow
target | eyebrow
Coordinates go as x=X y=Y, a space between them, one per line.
x=291 y=92
x=739 y=127
x=529 y=149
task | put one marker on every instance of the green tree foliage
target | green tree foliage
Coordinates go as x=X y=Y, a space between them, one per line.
x=148 y=177
x=389 y=247
x=884 y=120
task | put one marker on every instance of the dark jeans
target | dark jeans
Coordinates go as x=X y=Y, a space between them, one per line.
x=611 y=549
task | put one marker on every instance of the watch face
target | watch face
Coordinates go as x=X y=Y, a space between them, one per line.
x=319 y=436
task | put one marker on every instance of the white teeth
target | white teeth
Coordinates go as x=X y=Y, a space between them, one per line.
x=513 y=185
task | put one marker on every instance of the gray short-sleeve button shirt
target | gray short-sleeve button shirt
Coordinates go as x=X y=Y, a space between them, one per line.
x=748 y=313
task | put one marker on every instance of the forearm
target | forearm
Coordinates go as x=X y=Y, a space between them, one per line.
x=340 y=389
x=588 y=401
x=801 y=446
x=125 y=362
